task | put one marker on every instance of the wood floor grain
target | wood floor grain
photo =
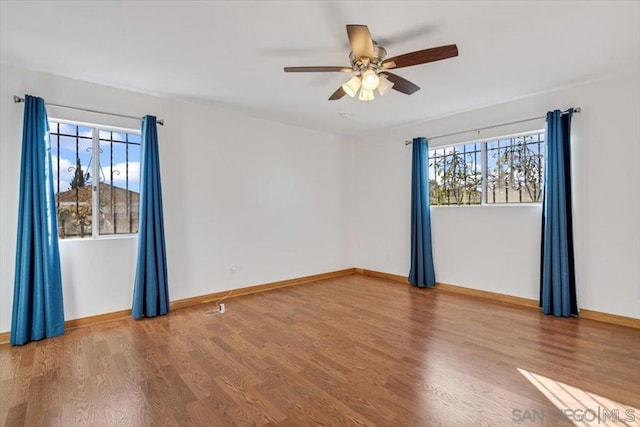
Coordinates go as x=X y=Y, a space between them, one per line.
x=350 y=351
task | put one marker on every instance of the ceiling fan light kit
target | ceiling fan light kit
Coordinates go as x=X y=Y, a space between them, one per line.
x=370 y=80
x=351 y=87
x=368 y=60
x=385 y=85
x=365 y=95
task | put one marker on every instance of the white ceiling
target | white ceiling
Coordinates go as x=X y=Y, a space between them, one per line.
x=232 y=53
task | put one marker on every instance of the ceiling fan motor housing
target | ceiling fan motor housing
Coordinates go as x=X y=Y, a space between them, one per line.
x=364 y=63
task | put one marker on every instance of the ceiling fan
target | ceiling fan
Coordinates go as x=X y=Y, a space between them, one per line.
x=368 y=60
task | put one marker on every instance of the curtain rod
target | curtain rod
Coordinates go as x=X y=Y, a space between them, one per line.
x=575 y=110
x=18 y=100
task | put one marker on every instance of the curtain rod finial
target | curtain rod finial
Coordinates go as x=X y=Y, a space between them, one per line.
x=17 y=99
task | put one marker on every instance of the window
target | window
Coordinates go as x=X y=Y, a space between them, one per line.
x=90 y=190
x=499 y=171
x=455 y=175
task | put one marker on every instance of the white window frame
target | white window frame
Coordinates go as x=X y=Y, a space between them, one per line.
x=95 y=171
x=483 y=168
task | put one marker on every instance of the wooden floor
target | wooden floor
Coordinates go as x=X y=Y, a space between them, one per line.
x=349 y=351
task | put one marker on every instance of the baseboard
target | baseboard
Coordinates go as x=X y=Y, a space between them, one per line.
x=201 y=299
x=97 y=319
x=208 y=298
x=509 y=299
x=615 y=319
x=380 y=274
x=494 y=296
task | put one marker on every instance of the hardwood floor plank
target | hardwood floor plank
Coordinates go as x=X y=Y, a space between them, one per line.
x=219 y=409
x=354 y=350
x=308 y=402
x=258 y=408
x=16 y=415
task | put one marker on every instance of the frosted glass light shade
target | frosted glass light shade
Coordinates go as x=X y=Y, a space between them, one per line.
x=365 y=94
x=351 y=87
x=370 y=80
x=385 y=85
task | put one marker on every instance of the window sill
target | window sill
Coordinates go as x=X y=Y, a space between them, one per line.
x=99 y=238
x=490 y=205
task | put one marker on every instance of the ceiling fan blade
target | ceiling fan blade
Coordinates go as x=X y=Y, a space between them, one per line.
x=337 y=94
x=401 y=84
x=316 y=69
x=360 y=41
x=421 y=57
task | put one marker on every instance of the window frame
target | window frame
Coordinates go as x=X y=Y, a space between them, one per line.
x=95 y=171
x=483 y=168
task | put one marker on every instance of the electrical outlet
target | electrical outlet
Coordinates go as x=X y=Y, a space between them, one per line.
x=222 y=308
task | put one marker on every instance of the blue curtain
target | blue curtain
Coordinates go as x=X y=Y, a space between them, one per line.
x=557 y=278
x=37 y=295
x=422 y=273
x=150 y=291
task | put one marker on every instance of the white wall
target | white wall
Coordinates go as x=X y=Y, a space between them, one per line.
x=497 y=248
x=264 y=196
x=281 y=202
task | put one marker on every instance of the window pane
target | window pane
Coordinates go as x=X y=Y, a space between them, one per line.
x=119 y=187
x=71 y=158
x=68 y=129
x=455 y=175
x=134 y=138
x=85 y=131
x=119 y=136
x=514 y=169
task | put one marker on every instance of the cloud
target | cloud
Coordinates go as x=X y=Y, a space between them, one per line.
x=120 y=171
x=66 y=176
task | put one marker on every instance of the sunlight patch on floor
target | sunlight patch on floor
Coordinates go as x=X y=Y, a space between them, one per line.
x=579 y=406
